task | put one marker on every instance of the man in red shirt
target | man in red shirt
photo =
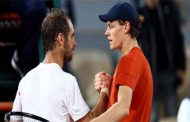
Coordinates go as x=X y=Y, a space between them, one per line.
x=132 y=86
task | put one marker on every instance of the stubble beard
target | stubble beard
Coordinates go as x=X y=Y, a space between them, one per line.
x=68 y=54
x=68 y=58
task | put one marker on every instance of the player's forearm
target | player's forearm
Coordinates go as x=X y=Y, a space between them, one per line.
x=99 y=108
x=118 y=110
x=101 y=105
x=114 y=114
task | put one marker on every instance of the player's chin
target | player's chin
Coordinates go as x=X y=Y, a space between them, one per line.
x=69 y=57
x=112 y=47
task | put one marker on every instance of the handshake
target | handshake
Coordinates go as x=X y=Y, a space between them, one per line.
x=102 y=83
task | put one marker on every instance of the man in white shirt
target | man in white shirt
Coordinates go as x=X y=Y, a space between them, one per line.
x=48 y=91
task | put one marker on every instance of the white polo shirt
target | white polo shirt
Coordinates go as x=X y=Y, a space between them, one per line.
x=51 y=93
x=184 y=111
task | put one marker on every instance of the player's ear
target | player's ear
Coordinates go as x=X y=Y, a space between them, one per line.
x=127 y=26
x=60 y=39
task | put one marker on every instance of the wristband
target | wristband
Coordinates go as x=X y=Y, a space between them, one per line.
x=105 y=90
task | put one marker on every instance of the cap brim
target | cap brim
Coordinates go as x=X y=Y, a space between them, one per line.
x=106 y=17
x=103 y=17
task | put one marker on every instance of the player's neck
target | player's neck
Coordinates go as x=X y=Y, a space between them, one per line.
x=128 y=45
x=52 y=57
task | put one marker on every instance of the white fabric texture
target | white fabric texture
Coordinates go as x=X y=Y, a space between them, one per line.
x=51 y=93
x=184 y=111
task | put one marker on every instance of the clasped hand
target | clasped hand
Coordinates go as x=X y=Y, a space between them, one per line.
x=102 y=80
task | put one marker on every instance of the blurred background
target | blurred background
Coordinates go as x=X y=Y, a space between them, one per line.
x=21 y=47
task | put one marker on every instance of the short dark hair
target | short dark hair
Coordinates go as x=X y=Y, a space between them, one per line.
x=54 y=23
x=135 y=28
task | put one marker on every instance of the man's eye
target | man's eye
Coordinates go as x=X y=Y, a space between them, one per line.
x=111 y=26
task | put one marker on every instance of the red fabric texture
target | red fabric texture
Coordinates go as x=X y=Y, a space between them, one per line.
x=134 y=71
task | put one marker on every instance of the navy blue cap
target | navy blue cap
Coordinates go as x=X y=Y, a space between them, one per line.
x=121 y=11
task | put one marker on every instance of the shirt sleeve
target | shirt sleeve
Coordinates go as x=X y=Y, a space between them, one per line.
x=75 y=103
x=128 y=73
x=17 y=103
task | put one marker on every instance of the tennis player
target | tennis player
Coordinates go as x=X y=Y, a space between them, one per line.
x=132 y=87
x=48 y=91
